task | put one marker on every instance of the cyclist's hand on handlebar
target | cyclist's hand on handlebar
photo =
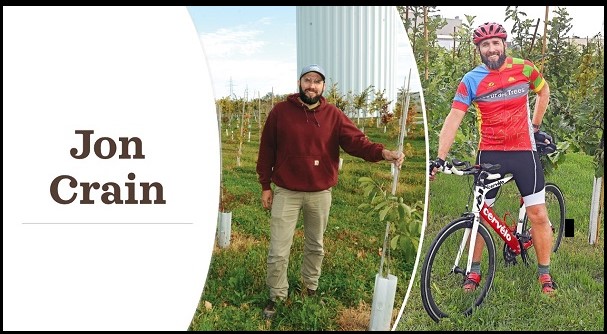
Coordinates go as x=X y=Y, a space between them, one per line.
x=435 y=166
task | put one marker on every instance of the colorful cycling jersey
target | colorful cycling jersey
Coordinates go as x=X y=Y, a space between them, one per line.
x=500 y=98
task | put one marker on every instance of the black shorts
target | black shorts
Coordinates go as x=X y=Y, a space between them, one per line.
x=525 y=166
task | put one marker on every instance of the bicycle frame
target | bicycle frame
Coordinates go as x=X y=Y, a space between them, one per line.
x=481 y=209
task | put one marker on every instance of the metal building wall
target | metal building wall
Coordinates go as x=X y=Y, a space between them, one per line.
x=356 y=45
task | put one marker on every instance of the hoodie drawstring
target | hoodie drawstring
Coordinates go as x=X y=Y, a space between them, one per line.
x=313 y=114
x=315 y=120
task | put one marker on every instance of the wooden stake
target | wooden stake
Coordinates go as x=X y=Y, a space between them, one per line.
x=427 y=58
x=544 y=39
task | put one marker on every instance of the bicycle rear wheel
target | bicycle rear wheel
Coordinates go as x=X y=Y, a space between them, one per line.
x=555 y=205
x=442 y=279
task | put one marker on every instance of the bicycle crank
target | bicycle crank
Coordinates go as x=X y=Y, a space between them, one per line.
x=526 y=243
x=509 y=255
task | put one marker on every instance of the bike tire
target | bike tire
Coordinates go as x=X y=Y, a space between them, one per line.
x=441 y=288
x=555 y=204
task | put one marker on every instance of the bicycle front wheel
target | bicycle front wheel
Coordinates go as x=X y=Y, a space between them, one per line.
x=442 y=277
x=555 y=205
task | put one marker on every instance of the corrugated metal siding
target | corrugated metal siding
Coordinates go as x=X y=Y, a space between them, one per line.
x=356 y=45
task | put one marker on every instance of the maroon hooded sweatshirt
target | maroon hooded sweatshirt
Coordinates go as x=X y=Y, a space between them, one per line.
x=299 y=147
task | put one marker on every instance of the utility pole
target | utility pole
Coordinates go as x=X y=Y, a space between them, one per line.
x=231 y=85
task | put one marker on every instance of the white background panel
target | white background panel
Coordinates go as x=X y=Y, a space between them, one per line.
x=122 y=72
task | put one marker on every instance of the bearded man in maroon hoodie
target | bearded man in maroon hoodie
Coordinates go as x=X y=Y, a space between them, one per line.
x=299 y=153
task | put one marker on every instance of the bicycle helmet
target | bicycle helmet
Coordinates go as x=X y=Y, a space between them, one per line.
x=541 y=145
x=488 y=30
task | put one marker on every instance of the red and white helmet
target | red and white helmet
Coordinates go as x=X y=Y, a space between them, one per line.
x=488 y=30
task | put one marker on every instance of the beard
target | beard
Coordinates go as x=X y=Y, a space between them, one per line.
x=494 y=65
x=306 y=99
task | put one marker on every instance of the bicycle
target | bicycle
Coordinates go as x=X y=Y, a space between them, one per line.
x=442 y=276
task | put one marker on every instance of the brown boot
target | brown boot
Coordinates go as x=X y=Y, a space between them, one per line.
x=269 y=310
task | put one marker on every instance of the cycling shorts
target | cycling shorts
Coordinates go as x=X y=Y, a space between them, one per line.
x=526 y=169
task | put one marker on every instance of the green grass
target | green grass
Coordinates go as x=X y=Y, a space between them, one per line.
x=235 y=290
x=515 y=301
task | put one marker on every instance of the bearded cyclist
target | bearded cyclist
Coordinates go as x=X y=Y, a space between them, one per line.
x=498 y=90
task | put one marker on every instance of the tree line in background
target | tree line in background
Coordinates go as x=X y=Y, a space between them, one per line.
x=237 y=115
x=574 y=72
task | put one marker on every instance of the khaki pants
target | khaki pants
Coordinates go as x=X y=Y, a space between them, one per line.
x=286 y=206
